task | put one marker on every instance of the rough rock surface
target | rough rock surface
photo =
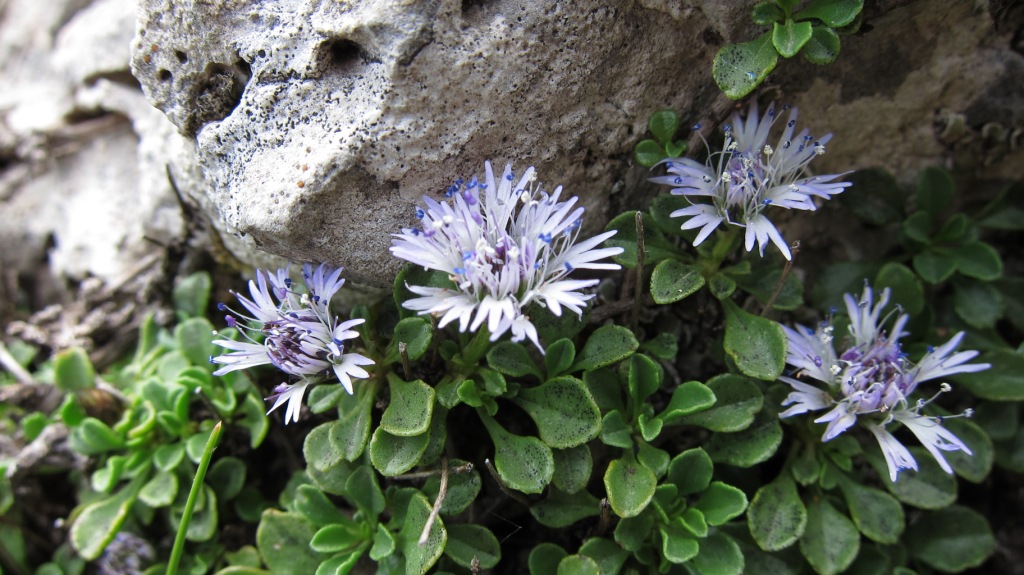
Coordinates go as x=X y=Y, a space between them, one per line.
x=371 y=104
x=319 y=124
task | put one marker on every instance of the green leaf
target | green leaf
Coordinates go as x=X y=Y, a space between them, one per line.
x=420 y=558
x=72 y=370
x=560 y=509
x=875 y=513
x=194 y=340
x=677 y=544
x=664 y=345
x=99 y=522
x=467 y=542
x=630 y=486
x=648 y=153
x=632 y=532
x=644 y=378
x=607 y=345
x=615 y=431
x=559 y=357
x=462 y=488
x=227 y=477
x=975 y=467
x=935 y=190
x=93 y=437
x=661 y=211
x=416 y=333
x=928 y=488
x=789 y=36
x=512 y=359
x=564 y=411
x=341 y=564
x=777 y=517
x=393 y=454
x=693 y=521
x=980 y=305
x=578 y=565
x=821 y=49
x=344 y=536
x=1004 y=381
x=652 y=458
x=663 y=124
x=412 y=404
x=934 y=265
x=252 y=416
x=608 y=555
x=351 y=432
x=312 y=504
x=834 y=13
x=721 y=286
x=751 y=446
x=739 y=68
x=918 y=227
x=691 y=471
x=951 y=540
x=544 y=559
x=362 y=489
x=999 y=420
x=831 y=542
x=656 y=246
x=383 y=544
x=721 y=503
x=672 y=281
x=523 y=463
x=160 y=490
x=765 y=13
x=192 y=295
x=719 y=555
x=675 y=149
x=955 y=229
x=763 y=282
x=979 y=260
x=907 y=290
x=572 y=468
x=689 y=398
x=737 y=400
x=756 y=344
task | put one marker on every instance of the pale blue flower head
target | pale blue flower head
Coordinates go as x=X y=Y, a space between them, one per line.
x=871 y=381
x=505 y=243
x=295 y=330
x=750 y=176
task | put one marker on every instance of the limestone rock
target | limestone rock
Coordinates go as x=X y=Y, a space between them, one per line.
x=319 y=125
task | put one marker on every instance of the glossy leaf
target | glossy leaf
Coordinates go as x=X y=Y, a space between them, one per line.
x=630 y=486
x=689 y=398
x=739 y=68
x=834 y=13
x=789 y=36
x=672 y=281
x=691 y=471
x=737 y=400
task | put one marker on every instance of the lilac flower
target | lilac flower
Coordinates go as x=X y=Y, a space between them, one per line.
x=748 y=176
x=872 y=381
x=301 y=336
x=505 y=244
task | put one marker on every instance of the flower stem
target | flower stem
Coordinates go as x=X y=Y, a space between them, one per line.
x=193 y=495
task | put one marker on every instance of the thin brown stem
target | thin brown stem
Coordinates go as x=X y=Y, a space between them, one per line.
x=12 y=365
x=426 y=474
x=494 y=473
x=442 y=492
x=795 y=248
x=403 y=352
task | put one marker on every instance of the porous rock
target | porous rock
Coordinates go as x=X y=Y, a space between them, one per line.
x=320 y=124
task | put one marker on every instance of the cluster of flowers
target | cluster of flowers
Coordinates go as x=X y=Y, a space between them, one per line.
x=300 y=334
x=748 y=176
x=873 y=380
x=506 y=244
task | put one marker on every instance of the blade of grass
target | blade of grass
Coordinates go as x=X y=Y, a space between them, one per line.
x=193 y=495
